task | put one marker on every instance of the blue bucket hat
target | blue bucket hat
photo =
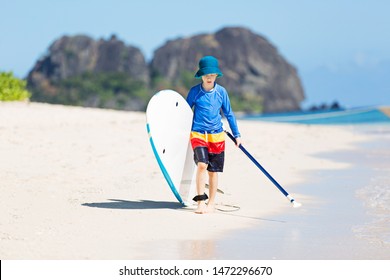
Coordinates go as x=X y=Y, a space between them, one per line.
x=208 y=65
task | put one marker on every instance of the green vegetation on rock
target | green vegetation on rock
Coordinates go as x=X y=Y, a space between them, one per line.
x=104 y=90
x=12 y=88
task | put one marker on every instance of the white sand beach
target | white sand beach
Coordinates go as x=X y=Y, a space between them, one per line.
x=81 y=183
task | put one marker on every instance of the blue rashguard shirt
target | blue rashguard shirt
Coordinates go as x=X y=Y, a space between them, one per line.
x=207 y=109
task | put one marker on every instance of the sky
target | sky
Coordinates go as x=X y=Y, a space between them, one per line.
x=341 y=48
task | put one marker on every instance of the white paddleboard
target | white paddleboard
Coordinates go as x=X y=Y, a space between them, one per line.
x=169 y=121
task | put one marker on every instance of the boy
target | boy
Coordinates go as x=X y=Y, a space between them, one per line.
x=207 y=135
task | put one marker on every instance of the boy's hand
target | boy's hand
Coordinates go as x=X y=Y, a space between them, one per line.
x=238 y=141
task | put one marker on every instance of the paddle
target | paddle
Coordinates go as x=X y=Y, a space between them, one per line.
x=289 y=197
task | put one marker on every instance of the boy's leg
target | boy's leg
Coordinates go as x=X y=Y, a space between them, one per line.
x=213 y=186
x=200 y=186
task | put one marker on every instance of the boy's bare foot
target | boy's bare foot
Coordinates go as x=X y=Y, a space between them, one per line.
x=202 y=208
x=210 y=208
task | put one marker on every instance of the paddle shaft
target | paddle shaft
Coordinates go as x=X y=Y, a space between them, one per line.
x=260 y=167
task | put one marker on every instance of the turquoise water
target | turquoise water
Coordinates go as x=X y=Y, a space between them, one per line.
x=328 y=117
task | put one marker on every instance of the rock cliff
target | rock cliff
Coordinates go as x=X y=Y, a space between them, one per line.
x=78 y=70
x=253 y=69
x=74 y=55
x=256 y=76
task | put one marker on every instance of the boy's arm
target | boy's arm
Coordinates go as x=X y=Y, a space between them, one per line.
x=229 y=114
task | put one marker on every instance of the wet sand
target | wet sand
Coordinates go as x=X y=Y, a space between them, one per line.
x=346 y=219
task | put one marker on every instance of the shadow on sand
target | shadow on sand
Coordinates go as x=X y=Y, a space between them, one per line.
x=138 y=204
x=149 y=204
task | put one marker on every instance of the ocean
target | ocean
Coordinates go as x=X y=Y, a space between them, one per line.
x=330 y=229
x=365 y=115
x=375 y=195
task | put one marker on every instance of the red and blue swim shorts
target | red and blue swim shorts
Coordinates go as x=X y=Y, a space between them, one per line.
x=209 y=148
